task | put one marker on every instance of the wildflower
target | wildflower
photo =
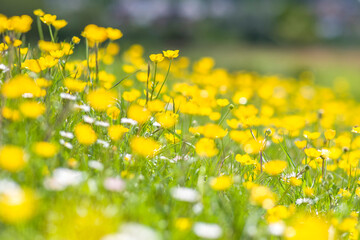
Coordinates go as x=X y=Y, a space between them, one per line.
x=329 y=134
x=262 y=196
x=117 y=131
x=17 y=86
x=221 y=183
x=311 y=135
x=74 y=85
x=96 y=164
x=12 y=158
x=356 y=129
x=308 y=227
x=171 y=54
x=206 y=147
x=46 y=46
x=185 y=194
x=275 y=167
x=3 y=47
x=17 y=205
x=167 y=119
x=113 y=33
x=138 y=113
x=75 y=40
x=38 y=12
x=344 y=193
x=113 y=112
x=131 y=96
x=156 y=58
x=32 y=109
x=207 y=230
x=101 y=99
x=94 y=33
x=48 y=19
x=62 y=178
x=85 y=134
x=20 y=24
x=245 y=159
x=277 y=214
x=45 y=149
x=308 y=191
x=114 y=184
x=58 y=24
x=295 y=181
x=212 y=131
x=222 y=102
x=300 y=144
x=145 y=147
x=11 y=114
x=183 y=224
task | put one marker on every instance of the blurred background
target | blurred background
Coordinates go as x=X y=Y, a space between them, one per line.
x=270 y=37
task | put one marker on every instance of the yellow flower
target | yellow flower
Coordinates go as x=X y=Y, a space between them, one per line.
x=117 y=131
x=167 y=119
x=171 y=54
x=94 y=33
x=100 y=99
x=11 y=114
x=131 y=95
x=156 y=58
x=329 y=134
x=17 y=86
x=344 y=193
x=17 y=205
x=308 y=227
x=75 y=39
x=222 y=102
x=206 y=147
x=48 y=19
x=312 y=152
x=145 y=147
x=221 y=183
x=311 y=135
x=183 y=224
x=262 y=196
x=74 y=85
x=32 y=109
x=46 y=46
x=12 y=158
x=3 y=47
x=21 y=24
x=348 y=224
x=356 y=129
x=113 y=33
x=277 y=213
x=57 y=54
x=113 y=112
x=58 y=24
x=309 y=192
x=245 y=159
x=300 y=144
x=295 y=181
x=138 y=113
x=211 y=130
x=39 y=12
x=45 y=149
x=275 y=167
x=85 y=134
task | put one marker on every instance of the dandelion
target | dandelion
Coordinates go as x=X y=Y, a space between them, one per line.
x=275 y=167
x=138 y=113
x=85 y=134
x=45 y=149
x=12 y=158
x=206 y=147
x=32 y=109
x=145 y=147
x=101 y=99
x=117 y=131
x=221 y=183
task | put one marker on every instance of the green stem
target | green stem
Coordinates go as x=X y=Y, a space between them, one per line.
x=41 y=34
x=167 y=74
x=51 y=34
x=153 y=85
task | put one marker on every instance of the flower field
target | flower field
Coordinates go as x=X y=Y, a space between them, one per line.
x=103 y=143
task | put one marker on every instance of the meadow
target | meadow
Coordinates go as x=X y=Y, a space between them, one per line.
x=112 y=144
